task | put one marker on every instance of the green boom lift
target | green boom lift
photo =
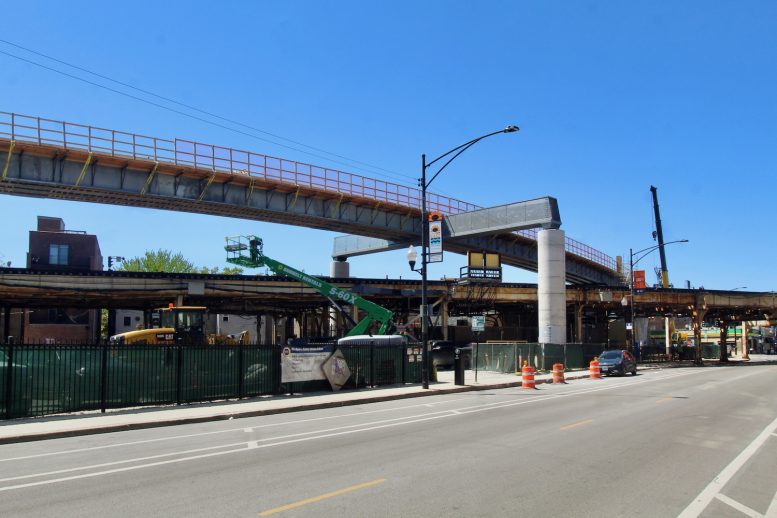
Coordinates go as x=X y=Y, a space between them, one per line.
x=248 y=251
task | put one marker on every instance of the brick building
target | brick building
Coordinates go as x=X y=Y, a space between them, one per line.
x=52 y=247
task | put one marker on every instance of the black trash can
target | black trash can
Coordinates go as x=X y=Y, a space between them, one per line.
x=458 y=366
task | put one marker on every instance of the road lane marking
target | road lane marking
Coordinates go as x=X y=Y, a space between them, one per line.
x=700 y=503
x=575 y=425
x=664 y=400
x=292 y=439
x=283 y=423
x=325 y=496
x=217 y=432
x=742 y=508
x=772 y=511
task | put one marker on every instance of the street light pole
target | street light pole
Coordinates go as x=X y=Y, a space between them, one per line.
x=458 y=150
x=424 y=262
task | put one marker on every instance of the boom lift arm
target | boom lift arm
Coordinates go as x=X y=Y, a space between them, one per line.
x=248 y=251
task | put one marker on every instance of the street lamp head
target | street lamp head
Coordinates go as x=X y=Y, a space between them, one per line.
x=412 y=255
x=511 y=129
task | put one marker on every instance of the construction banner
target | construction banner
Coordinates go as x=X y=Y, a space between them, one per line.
x=304 y=363
x=639 y=280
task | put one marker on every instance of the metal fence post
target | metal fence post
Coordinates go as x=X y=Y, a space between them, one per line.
x=372 y=365
x=240 y=377
x=178 y=375
x=9 y=382
x=403 y=356
x=277 y=354
x=104 y=378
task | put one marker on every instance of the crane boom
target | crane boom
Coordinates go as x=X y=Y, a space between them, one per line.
x=660 y=236
x=248 y=251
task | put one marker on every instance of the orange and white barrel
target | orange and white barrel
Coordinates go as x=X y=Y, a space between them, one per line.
x=527 y=376
x=558 y=373
x=594 y=370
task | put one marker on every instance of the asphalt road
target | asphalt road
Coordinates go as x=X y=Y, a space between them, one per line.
x=701 y=442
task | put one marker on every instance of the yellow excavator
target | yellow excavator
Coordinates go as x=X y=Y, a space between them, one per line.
x=179 y=325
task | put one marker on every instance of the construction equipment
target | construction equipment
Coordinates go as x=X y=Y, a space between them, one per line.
x=248 y=251
x=179 y=325
x=660 y=236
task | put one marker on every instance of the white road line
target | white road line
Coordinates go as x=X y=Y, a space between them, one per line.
x=209 y=448
x=701 y=502
x=742 y=508
x=772 y=511
x=212 y=454
x=288 y=439
x=217 y=432
x=465 y=410
x=269 y=425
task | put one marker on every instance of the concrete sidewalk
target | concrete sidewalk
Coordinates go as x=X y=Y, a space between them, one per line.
x=84 y=423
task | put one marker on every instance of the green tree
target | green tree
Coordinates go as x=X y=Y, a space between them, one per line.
x=167 y=261
x=158 y=261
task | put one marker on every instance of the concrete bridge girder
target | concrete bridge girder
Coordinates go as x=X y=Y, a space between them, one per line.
x=47 y=171
x=117 y=182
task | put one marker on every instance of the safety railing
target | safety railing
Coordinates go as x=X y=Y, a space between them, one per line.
x=42 y=379
x=208 y=157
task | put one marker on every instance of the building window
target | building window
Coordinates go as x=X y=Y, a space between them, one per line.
x=127 y=321
x=225 y=318
x=58 y=254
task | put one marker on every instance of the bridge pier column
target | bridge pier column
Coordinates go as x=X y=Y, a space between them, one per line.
x=340 y=268
x=551 y=287
x=579 y=310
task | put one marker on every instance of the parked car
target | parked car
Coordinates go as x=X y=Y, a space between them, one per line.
x=617 y=362
x=444 y=351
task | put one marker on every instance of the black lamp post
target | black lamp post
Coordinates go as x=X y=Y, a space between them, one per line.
x=412 y=255
x=647 y=251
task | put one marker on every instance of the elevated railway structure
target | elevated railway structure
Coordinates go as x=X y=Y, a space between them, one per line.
x=507 y=304
x=56 y=159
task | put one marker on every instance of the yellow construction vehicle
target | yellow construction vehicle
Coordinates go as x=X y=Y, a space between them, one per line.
x=179 y=325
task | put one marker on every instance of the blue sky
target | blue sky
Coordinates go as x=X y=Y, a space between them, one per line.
x=611 y=97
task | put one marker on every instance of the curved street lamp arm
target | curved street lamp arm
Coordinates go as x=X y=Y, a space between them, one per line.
x=465 y=145
x=462 y=149
x=651 y=249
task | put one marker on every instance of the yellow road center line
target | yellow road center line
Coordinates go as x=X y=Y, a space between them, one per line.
x=318 y=498
x=579 y=423
x=664 y=400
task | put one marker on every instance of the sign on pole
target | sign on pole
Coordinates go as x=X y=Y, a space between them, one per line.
x=479 y=323
x=435 y=237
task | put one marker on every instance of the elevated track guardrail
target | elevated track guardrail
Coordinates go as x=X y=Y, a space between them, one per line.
x=218 y=159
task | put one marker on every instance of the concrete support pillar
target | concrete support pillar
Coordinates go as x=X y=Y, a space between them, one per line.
x=745 y=343
x=551 y=287
x=6 y=323
x=579 y=310
x=268 y=330
x=444 y=318
x=339 y=269
x=325 y=321
x=699 y=310
x=668 y=328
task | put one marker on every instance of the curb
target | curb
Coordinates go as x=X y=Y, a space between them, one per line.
x=224 y=416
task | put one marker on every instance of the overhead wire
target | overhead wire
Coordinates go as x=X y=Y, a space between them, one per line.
x=386 y=172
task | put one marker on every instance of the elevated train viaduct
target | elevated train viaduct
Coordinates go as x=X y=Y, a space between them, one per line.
x=511 y=307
